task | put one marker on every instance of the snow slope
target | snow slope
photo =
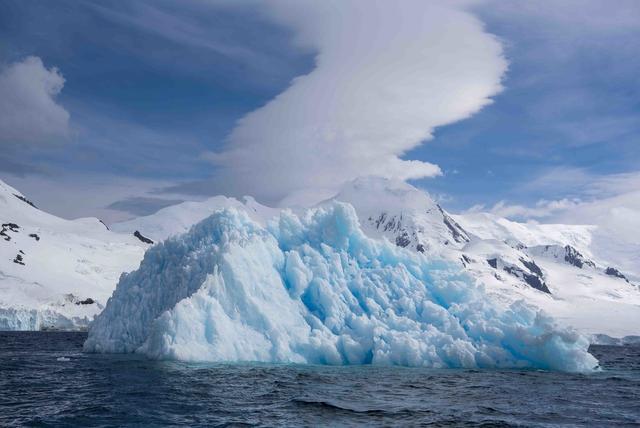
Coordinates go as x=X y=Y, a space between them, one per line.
x=552 y=266
x=555 y=267
x=56 y=273
x=315 y=289
x=178 y=219
x=593 y=242
x=403 y=214
x=489 y=226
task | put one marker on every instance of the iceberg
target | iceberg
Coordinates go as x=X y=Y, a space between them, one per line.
x=313 y=288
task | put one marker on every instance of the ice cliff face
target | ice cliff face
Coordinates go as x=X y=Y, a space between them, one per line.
x=315 y=289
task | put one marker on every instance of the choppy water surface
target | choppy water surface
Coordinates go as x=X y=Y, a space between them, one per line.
x=45 y=380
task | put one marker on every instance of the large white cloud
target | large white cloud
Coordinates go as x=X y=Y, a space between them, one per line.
x=386 y=75
x=28 y=109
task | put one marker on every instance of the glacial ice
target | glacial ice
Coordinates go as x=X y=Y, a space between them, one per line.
x=314 y=289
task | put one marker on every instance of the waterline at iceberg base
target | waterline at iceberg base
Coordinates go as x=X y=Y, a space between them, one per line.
x=314 y=289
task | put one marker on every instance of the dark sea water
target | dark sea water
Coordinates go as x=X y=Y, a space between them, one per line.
x=45 y=380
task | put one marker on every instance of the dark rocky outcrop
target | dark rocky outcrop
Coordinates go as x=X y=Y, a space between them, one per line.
x=458 y=233
x=8 y=227
x=386 y=223
x=403 y=240
x=567 y=253
x=615 y=272
x=25 y=200
x=34 y=236
x=142 y=238
x=18 y=259
x=87 y=301
x=575 y=258
x=532 y=275
x=532 y=266
x=465 y=260
x=515 y=244
x=531 y=279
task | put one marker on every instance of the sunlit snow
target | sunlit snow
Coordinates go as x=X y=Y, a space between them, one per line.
x=314 y=289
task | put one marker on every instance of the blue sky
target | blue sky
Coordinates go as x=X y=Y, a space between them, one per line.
x=572 y=101
x=152 y=88
x=145 y=102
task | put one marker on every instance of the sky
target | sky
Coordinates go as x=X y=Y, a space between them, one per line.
x=527 y=109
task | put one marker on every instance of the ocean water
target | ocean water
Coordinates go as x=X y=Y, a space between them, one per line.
x=45 y=380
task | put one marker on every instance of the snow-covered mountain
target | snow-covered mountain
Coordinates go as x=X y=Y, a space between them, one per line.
x=178 y=219
x=56 y=273
x=313 y=288
x=589 y=241
x=549 y=265
x=555 y=267
x=403 y=214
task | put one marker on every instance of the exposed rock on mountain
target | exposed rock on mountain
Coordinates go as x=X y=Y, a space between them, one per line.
x=25 y=200
x=567 y=253
x=615 y=272
x=142 y=238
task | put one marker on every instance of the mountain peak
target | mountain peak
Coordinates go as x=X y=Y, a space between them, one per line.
x=402 y=213
x=375 y=192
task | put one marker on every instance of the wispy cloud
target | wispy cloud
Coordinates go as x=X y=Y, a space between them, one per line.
x=580 y=182
x=110 y=197
x=611 y=202
x=160 y=22
x=541 y=209
x=141 y=205
x=193 y=24
x=579 y=57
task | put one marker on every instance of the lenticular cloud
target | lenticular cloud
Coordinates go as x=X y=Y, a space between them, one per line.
x=315 y=289
x=385 y=77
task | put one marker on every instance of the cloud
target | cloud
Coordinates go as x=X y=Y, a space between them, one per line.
x=28 y=109
x=611 y=202
x=141 y=205
x=572 y=18
x=385 y=77
x=212 y=39
x=579 y=182
x=110 y=197
x=589 y=197
x=575 y=62
x=541 y=209
x=160 y=20
x=617 y=239
x=568 y=180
